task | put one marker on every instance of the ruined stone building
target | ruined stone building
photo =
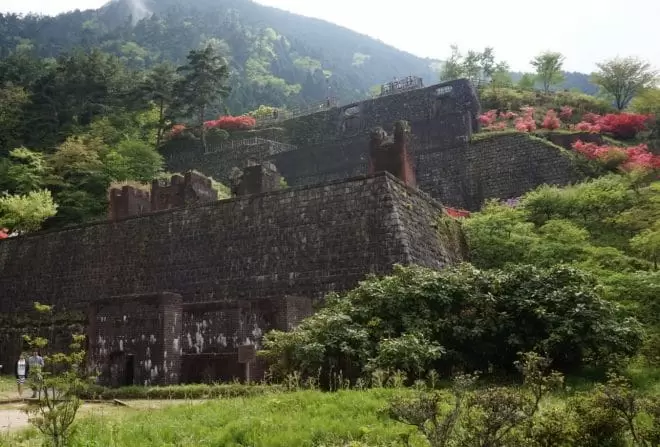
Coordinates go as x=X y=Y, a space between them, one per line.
x=175 y=283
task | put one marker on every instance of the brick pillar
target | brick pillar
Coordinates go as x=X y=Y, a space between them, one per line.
x=390 y=153
x=127 y=202
x=259 y=178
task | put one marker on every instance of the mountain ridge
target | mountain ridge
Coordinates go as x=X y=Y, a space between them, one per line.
x=277 y=57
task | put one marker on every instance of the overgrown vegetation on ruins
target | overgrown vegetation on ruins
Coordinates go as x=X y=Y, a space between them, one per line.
x=549 y=336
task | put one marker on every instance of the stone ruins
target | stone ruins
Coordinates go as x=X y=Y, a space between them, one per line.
x=176 y=284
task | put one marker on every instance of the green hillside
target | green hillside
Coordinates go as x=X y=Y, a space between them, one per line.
x=276 y=57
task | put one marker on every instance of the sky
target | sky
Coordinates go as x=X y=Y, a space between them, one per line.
x=585 y=31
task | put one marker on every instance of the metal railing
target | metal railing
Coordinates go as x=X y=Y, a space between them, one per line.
x=283 y=115
x=274 y=147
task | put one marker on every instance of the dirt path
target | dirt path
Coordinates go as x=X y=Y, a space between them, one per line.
x=12 y=418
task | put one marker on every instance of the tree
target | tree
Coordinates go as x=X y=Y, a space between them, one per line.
x=647 y=102
x=25 y=213
x=133 y=160
x=527 y=81
x=647 y=243
x=416 y=319
x=58 y=384
x=23 y=171
x=158 y=87
x=12 y=101
x=548 y=69
x=204 y=82
x=478 y=67
x=623 y=78
x=453 y=67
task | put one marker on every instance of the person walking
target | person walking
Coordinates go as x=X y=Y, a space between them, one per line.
x=22 y=369
x=36 y=364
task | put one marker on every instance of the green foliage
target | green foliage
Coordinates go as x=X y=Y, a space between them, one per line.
x=527 y=81
x=192 y=391
x=607 y=226
x=480 y=319
x=57 y=385
x=203 y=83
x=548 y=69
x=23 y=171
x=25 y=213
x=479 y=67
x=344 y=418
x=12 y=101
x=133 y=160
x=623 y=78
x=493 y=417
x=647 y=102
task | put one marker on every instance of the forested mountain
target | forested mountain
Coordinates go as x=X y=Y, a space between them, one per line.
x=275 y=57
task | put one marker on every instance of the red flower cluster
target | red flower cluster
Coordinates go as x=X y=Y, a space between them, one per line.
x=584 y=126
x=566 y=112
x=456 y=213
x=231 y=123
x=488 y=118
x=626 y=159
x=526 y=122
x=177 y=129
x=551 y=122
x=623 y=125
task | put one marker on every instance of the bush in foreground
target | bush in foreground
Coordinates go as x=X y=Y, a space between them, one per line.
x=463 y=318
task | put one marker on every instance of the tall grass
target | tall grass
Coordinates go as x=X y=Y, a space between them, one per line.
x=305 y=418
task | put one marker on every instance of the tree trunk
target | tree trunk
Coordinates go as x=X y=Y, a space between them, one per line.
x=161 y=123
x=201 y=123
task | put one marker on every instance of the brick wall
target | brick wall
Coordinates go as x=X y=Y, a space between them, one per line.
x=135 y=339
x=300 y=241
x=448 y=165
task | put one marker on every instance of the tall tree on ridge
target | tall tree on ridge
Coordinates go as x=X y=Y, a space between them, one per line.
x=158 y=86
x=623 y=78
x=204 y=82
x=548 y=69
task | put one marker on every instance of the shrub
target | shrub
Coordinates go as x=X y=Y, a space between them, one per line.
x=232 y=123
x=624 y=126
x=481 y=319
x=613 y=157
x=191 y=391
x=551 y=122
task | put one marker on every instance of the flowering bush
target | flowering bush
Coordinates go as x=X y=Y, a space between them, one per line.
x=624 y=125
x=176 y=131
x=488 y=118
x=456 y=213
x=566 y=113
x=526 y=122
x=551 y=122
x=231 y=123
x=585 y=126
x=626 y=159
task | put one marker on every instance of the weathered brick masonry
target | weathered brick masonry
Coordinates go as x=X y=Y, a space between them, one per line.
x=455 y=170
x=242 y=266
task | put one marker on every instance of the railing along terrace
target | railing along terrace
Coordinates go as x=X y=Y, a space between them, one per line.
x=274 y=147
x=279 y=115
x=401 y=85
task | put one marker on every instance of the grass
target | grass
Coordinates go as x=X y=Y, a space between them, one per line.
x=8 y=388
x=347 y=418
x=304 y=418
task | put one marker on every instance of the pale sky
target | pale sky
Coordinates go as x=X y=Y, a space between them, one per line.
x=585 y=31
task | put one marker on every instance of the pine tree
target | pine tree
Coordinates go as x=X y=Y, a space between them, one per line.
x=204 y=82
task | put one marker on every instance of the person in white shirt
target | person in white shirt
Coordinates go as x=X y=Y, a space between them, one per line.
x=22 y=370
